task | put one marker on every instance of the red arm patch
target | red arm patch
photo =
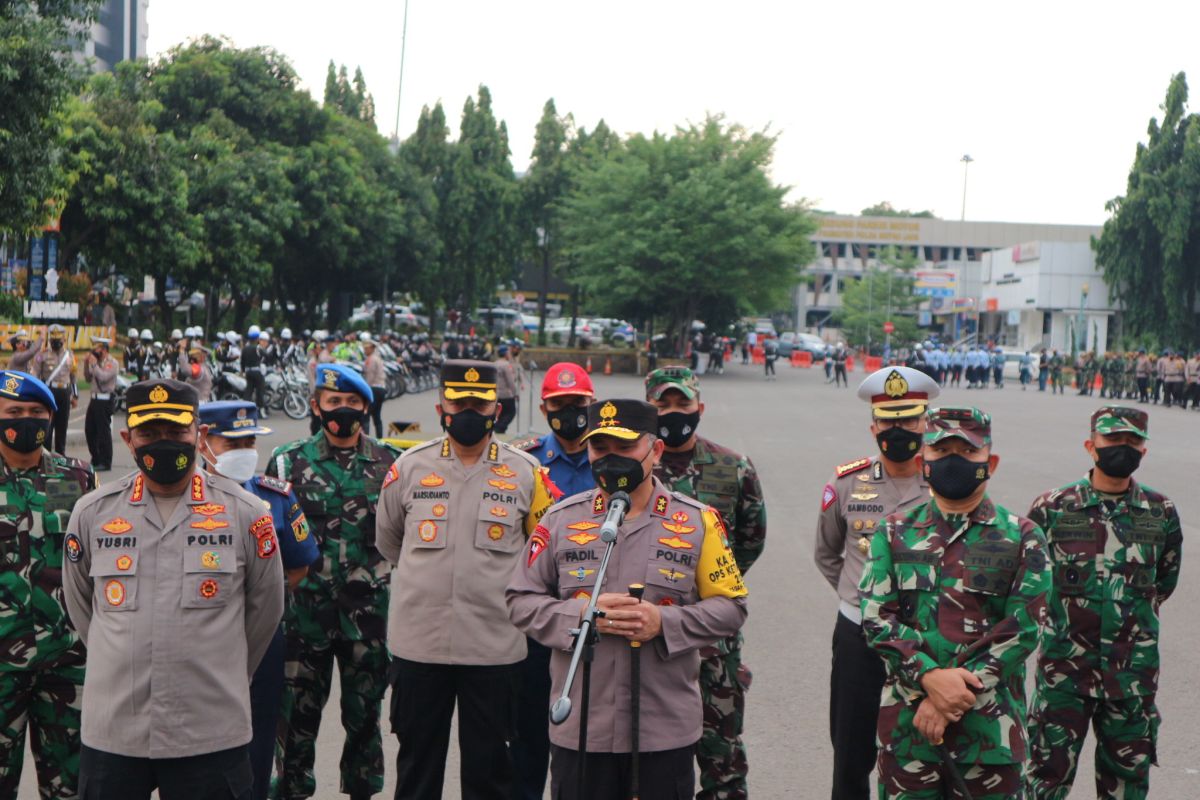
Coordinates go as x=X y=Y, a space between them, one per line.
x=393 y=474
x=539 y=540
x=828 y=497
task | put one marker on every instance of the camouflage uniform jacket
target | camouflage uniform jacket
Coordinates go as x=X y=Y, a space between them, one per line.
x=1113 y=567
x=340 y=505
x=35 y=506
x=939 y=594
x=725 y=480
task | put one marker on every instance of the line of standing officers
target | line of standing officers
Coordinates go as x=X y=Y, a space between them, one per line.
x=944 y=595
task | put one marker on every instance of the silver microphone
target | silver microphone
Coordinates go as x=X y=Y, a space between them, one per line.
x=618 y=504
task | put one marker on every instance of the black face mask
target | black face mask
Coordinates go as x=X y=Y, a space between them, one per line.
x=25 y=434
x=617 y=473
x=166 y=461
x=954 y=477
x=467 y=427
x=56 y=344
x=897 y=444
x=342 y=422
x=677 y=427
x=1119 y=460
x=569 y=423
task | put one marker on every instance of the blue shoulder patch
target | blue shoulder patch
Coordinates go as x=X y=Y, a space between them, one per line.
x=274 y=484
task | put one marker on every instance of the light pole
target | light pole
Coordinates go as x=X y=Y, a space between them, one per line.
x=966 y=162
x=1080 y=324
x=400 y=87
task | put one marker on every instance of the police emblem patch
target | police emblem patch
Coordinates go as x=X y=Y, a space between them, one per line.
x=124 y=563
x=471 y=375
x=114 y=592
x=209 y=588
x=210 y=559
x=495 y=532
x=73 y=548
x=427 y=530
x=158 y=394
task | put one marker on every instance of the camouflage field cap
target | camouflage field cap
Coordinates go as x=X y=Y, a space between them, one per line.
x=680 y=378
x=1121 y=419
x=965 y=422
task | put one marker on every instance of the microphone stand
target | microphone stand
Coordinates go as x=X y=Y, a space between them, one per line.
x=586 y=638
x=636 y=590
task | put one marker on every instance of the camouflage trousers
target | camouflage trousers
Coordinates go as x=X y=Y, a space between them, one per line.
x=922 y=780
x=47 y=701
x=1125 y=730
x=720 y=752
x=308 y=673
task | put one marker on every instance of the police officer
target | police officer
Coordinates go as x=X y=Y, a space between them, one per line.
x=725 y=480
x=100 y=368
x=1115 y=547
x=173 y=582
x=135 y=355
x=339 y=611
x=953 y=595
x=23 y=350
x=454 y=518
x=56 y=368
x=229 y=448
x=673 y=545
x=252 y=367
x=566 y=393
x=41 y=657
x=860 y=494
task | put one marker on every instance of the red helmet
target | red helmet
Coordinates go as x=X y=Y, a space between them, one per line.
x=567 y=378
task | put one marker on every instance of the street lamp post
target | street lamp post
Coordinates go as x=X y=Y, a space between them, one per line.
x=966 y=162
x=1080 y=323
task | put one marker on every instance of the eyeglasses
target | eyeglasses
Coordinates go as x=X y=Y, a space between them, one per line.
x=907 y=423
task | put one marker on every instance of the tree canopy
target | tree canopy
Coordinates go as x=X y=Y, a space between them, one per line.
x=885 y=209
x=885 y=294
x=1149 y=248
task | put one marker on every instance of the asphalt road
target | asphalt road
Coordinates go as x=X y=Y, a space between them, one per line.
x=796 y=429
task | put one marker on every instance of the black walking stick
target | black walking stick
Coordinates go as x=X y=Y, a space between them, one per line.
x=636 y=590
x=956 y=777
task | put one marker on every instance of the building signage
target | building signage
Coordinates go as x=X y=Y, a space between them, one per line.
x=935 y=283
x=869 y=229
x=1030 y=251
x=42 y=309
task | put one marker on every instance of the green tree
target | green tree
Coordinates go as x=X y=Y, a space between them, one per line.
x=885 y=209
x=38 y=77
x=1149 y=248
x=543 y=187
x=686 y=226
x=428 y=153
x=885 y=294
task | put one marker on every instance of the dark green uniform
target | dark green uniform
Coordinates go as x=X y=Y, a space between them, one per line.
x=725 y=480
x=1115 y=561
x=339 y=611
x=41 y=657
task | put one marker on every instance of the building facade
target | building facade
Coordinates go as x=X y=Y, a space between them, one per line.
x=119 y=33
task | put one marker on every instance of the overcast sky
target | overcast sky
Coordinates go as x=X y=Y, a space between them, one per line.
x=871 y=100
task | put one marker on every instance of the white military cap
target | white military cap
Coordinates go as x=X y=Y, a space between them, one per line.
x=898 y=392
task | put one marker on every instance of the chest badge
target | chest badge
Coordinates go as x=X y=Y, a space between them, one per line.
x=675 y=543
x=503 y=486
x=499 y=511
x=582 y=538
x=117 y=525
x=864 y=545
x=439 y=510
x=427 y=530
x=209 y=588
x=124 y=563
x=504 y=472
x=210 y=559
x=208 y=509
x=864 y=477
x=209 y=524
x=432 y=479
x=861 y=495
x=495 y=532
x=672 y=576
x=114 y=592
x=676 y=525
x=583 y=526
x=580 y=574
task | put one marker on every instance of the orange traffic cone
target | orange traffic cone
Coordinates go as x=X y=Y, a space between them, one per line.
x=588 y=366
x=608 y=366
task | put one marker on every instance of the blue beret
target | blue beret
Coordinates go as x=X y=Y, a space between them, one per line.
x=342 y=378
x=23 y=386
x=232 y=419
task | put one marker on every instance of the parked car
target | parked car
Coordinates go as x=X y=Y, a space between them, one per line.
x=499 y=319
x=614 y=331
x=811 y=343
x=558 y=331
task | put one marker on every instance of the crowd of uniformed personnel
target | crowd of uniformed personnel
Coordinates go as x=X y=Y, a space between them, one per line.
x=944 y=595
x=178 y=627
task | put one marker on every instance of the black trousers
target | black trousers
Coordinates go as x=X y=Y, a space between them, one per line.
x=223 y=775
x=378 y=395
x=508 y=412
x=855 y=685
x=58 y=425
x=423 y=699
x=266 y=696
x=256 y=387
x=97 y=428
x=662 y=775
x=531 y=749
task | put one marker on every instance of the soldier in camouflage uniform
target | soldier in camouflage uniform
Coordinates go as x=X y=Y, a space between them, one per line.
x=725 y=480
x=952 y=598
x=339 y=611
x=1115 y=549
x=41 y=657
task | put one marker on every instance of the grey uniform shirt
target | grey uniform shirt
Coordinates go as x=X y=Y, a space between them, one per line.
x=456 y=534
x=103 y=375
x=677 y=548
x=47 y=363
x=175 y=616
x=853 y=504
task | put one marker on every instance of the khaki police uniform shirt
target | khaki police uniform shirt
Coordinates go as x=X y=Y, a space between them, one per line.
x=175 y=615
x=853 y=504
x=102 y=374
x=455 y=534
x=47 y=362
x=676 y=547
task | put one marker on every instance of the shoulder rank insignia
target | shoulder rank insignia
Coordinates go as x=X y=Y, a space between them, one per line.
x=493 y=452
x=853 y=466
x=275 y=484
x=197 y=488
x=660 y=505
